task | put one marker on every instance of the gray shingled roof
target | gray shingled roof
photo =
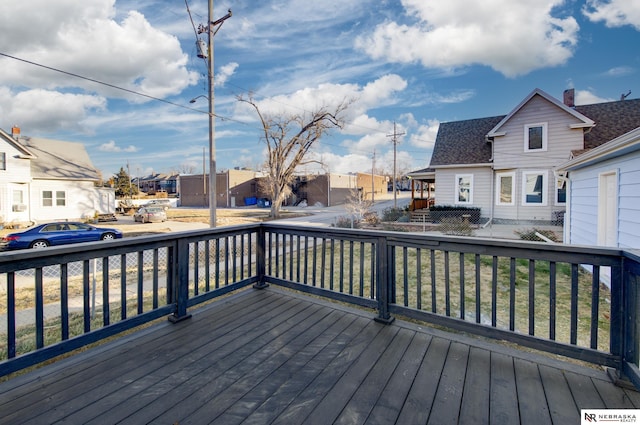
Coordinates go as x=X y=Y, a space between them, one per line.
x=463 y=142
x=613 y=119
x=59 y=160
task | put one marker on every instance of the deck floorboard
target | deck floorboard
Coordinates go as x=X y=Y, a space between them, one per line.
x=275 y=356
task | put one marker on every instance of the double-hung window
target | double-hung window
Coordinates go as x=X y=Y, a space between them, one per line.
x=464 y=189
x=534 y=188
x=48 y=200
x=505 y=182
x=535 y=137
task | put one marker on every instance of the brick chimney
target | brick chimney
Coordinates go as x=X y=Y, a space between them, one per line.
x=569 y=96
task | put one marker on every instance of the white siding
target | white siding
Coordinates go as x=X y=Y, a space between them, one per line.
x=509 y=155
x=82 y=200
x=17 y=176
x=584 y=203
x=508 y=150
x=481 y=190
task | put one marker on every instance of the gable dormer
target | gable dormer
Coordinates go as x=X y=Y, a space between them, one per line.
x=539 y=132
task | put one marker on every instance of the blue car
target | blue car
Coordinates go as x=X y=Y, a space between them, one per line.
x=60 y=233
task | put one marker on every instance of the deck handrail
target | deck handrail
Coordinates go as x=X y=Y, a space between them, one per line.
x=550 y=297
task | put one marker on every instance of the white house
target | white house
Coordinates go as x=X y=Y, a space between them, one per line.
x=603 y=198
x=505 y=165
x=44 y=180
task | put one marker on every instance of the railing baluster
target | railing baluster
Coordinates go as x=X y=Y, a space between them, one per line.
x=351 y=261
x=595 y=305
x=532 y=297
x=298 y=250
x=196 y=268
x=234 y=257
x=106 y=302
x=123 y=286
x=140 y=300
x=332 y=258
x=155 y=277
x=405 y=276
x=552 y=300
x=361 y=292
x=64 y=301
x=323 y=262
x=447 y=291
x=341 y=280
x=574 y=304
x=39 y=305
x=86 y=305
x=314 y=262
x=494 y=291
x=372 y=268
x=241 y=257
x=462 y=309
x=432 y=266
x=478 y=290
x=217 y=261
x=226 y=260
x=306 y=260
x=419 y=279
x=512 y=294
x=11 y=315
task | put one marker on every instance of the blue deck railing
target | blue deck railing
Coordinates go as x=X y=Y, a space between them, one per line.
x=580 y=302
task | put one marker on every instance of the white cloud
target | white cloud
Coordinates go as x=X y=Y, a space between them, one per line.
x=619 y=71
x=88 y=41
x=513 y=38
x=48 y=111
x=111 y=146
x=614 y=13
x=224 y=73
x=585 y=97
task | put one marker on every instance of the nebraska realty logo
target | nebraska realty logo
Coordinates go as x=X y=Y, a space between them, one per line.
x=607 y=416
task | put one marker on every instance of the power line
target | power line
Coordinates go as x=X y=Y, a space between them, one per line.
x=93 y=80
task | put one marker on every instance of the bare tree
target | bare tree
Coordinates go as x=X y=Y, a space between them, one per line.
x=288 y=139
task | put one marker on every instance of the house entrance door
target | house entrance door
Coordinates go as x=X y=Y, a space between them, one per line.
x=607 y=209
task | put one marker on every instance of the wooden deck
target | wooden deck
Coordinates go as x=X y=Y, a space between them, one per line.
x=271 y=356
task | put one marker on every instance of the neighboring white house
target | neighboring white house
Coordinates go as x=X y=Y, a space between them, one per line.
x=603 y=198
x=505 y=164
x=44 y=180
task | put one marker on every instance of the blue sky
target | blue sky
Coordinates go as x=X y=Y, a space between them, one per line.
x=414 y=62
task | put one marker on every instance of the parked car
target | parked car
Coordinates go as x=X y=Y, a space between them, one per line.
x=164 y=203
x=58 y=233
x=150 y=215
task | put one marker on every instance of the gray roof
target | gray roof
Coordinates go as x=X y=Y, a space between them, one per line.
x=464 y=143
x=59 y=160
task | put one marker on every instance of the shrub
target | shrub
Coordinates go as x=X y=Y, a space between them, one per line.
x=345 y=223
x=530 y=235
x=392 y=214
x=455 y=226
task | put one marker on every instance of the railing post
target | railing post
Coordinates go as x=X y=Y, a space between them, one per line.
x=181 y=282
x=383 y=281
x=630 y=355
x=261 y=259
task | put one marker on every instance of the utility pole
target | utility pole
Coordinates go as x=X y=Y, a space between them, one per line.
x=211 y=30
x=394 y=139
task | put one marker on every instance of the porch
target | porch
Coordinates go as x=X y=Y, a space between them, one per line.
x=233 y=354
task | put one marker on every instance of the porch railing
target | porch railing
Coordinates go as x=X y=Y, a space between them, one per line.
x=579 y=302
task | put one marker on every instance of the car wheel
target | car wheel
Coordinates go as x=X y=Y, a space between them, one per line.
x=39 y=244
x=108 y=237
